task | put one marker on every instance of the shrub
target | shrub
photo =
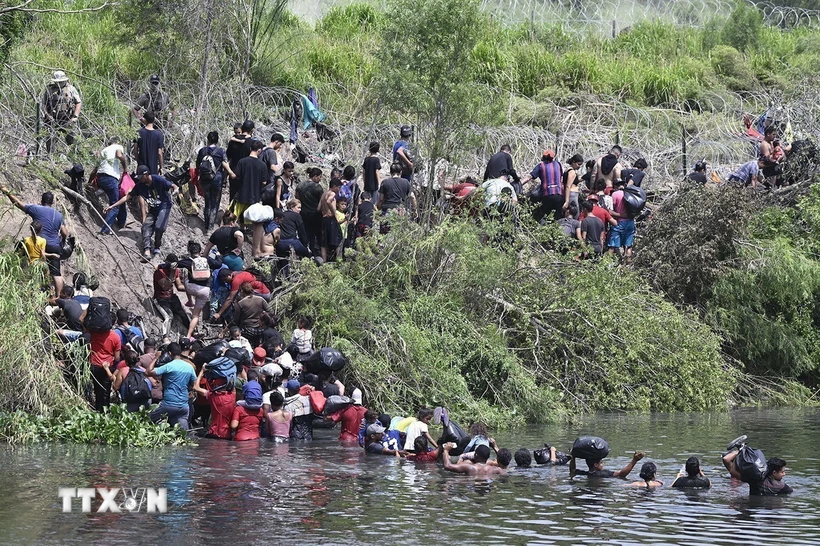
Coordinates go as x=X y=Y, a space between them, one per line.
x=743 y=28
x=733 y=69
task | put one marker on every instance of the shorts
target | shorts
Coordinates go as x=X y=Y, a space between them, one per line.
x=234 y=262
x=622 y=235
x=54 y=264
x=331 y=232
x=201 y=295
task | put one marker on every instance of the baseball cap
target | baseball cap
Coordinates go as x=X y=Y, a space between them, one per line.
x=593 y=197
x=259 y=353
x=142 y=169
x=375 y=428
x=293 y=385
x=356 y=395
x=154 y=78
x=549 y=153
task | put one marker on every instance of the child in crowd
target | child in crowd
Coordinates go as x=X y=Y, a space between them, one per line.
x=422 y=453
x=419 y=428
x=35 y=246
x=373 y=442
x=277 y=419
x=237 y=340
x=480 y=437
x=364 y=222
x=523 y=459
x=302 y=338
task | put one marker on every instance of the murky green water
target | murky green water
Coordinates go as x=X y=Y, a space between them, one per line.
x=258 y=492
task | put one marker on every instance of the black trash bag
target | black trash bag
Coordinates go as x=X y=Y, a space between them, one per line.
x=590 y=447
x=209 y=353
x=336 y=403
x=454 y=433
x=327 y=359
x=634 y=200
x=541 y=456
x=238 y=355
x=751 y=463
x=67 y=247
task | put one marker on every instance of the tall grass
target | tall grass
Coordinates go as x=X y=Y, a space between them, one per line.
x=31 y=378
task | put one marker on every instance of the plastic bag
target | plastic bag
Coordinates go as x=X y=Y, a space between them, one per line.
x=751 y=463
x=590 y=447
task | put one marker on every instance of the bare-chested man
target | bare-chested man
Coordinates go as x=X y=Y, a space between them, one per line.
x=478 y=467
x=607 y=167
x=331 y=232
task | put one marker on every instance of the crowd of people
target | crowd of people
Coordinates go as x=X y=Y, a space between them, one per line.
x=252 y=383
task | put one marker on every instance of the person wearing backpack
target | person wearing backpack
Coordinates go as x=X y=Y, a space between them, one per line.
x=549 y=192
x=623 y=234
x=60 y=107
x=130 y=382
x=129 y=334
x=197 y=283
x=212 y=164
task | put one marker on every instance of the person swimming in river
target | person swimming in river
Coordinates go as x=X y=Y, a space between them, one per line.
x=772 y=482
x=648 y=475
x=478 y=467
x=596 y=468
x=694 y=477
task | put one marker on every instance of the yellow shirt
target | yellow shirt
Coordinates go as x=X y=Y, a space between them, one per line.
x=340 y=217
x=35 y=248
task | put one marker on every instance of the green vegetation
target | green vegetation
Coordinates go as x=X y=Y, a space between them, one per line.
x=84 y=426
x=508 y=335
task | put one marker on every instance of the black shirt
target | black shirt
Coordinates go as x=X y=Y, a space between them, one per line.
x=501 y=161
x=309 y=194
x=234 y=151
x=149 y=143
x=697 y=177
x=224 y=239
x=71 y=311
x=252 y=174
x=635 y=175
x=687 y=482
x=395 y=192
x=366 y=213
x=371 y=165
x=291 y=226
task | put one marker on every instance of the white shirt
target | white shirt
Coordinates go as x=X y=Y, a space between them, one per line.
x=109 y=164
x=416 y=429
x=492 y=191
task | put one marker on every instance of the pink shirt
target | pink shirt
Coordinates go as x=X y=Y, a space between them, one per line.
x=619 y=205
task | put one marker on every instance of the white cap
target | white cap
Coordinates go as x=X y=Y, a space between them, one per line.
x=59 y=76
x=356 y=395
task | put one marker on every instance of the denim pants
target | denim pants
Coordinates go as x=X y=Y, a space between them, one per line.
x=111 y=187
x=213 y=195
x=154 y=226
x=176 y=416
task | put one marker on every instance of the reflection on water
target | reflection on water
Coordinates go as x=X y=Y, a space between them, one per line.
x=322 y=492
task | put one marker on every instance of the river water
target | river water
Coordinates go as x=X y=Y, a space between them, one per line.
x=323 y=493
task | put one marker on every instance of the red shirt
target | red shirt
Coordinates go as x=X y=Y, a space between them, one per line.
x=244 y=276
x=103 y=347
x=603 y=214
x=249 y=422
x=222 y=409
x=428 y=457
x=351 y=418
x=159 y=275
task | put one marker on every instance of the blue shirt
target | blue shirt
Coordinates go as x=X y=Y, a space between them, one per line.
x=157 y=189
x=51 y=220
x=177 y=376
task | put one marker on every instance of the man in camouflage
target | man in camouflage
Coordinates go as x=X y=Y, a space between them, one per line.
x=60 y=107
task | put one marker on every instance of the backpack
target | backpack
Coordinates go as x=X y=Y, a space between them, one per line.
x=200 y=270
x=221 y=368
x=60 y=103
x=135 y=341
x=98 y=315
x=634 y=200
x=135 y=388
x=207 y=167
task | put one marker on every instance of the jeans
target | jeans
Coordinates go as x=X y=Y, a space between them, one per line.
x=155 y=223
x=176 y=416
x=102 y=388
x=111 y=187
x=213 y=196
x=174 y=307
x=284 y=246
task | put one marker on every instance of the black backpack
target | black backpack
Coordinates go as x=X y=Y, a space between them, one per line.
x=135 y=388
x=133 y=340
x=98 y=315
x=207 y=167
x=634 y=200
